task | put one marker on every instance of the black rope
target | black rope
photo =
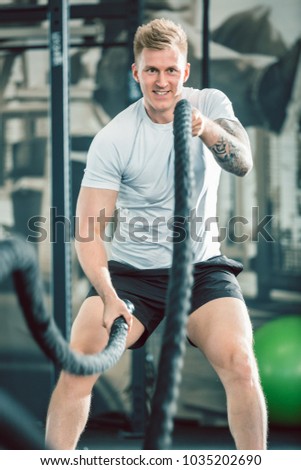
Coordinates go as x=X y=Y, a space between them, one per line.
x=158 y=435
x=17 y=431
x=19 y=259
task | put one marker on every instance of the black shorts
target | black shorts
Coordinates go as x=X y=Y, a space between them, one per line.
x=147 y=288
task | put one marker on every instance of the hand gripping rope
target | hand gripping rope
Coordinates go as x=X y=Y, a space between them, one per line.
x=158 y=435
x=19 y=259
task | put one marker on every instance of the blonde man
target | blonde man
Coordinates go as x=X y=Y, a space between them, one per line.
x=130 y=167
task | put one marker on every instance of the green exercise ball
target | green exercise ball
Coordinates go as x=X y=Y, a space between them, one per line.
x=278 y=351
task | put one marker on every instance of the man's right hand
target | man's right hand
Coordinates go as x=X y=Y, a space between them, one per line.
x=114 y=308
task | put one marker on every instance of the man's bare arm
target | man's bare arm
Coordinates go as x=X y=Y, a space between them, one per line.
x=95 y=208
x=232 y=148
x=227 y=140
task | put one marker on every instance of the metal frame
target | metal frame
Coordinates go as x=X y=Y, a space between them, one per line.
x=36 y=13
x=60 y=165
x=206 y=35
x=139 y=413
x=59 y=12
x=269 y=277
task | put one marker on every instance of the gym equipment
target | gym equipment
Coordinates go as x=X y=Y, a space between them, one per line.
x=27 y=283
x=19 y=258
x=278 y=351
x=158 y=434
x=17 y=431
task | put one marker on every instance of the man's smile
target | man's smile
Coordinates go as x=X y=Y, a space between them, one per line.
x=161 y=93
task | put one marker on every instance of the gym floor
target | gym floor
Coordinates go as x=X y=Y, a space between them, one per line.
x=111 y=430
x=188 y=435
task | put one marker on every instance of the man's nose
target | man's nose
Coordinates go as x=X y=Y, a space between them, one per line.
x=161 y=80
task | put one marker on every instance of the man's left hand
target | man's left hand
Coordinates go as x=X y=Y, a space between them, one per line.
x=198 y=123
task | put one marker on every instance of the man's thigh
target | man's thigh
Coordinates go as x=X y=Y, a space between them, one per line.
x=89 y=336
x=220 y=327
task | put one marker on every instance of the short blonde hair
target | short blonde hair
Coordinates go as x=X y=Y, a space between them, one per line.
x=160 y=34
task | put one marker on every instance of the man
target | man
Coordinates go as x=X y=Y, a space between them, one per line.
x=130 y=167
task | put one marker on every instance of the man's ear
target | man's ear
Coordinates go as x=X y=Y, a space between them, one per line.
x=187 y=72
x=135 y=72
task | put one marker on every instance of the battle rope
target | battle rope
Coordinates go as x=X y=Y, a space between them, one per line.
x=158 y=434
x=17 y=431
x=19 y=258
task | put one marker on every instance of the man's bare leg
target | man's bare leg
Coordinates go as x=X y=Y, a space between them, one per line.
x=222 y=330
x=70 y=402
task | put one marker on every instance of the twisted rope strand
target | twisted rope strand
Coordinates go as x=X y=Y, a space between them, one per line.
x=16 y=430
x=19 y=259
x=158 y=435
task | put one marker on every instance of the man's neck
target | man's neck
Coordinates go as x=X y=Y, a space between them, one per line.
x=160 y=117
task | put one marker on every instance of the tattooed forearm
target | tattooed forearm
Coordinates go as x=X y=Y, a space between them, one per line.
x=228 y=156
x=231 y=148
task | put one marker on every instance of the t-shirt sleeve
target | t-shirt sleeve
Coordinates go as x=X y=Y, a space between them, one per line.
x=218 y=106
x=103 y=169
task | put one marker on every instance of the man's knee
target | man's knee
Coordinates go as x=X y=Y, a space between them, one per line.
x=73 y=387
x=238 y=364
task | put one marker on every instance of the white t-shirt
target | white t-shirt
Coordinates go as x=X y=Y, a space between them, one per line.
x=135 y=156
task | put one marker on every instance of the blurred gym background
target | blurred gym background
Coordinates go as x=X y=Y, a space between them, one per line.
x=251 y=51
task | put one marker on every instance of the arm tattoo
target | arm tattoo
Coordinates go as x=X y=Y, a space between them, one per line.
x=231 y=153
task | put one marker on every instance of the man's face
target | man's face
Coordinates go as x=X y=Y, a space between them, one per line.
x=161 y=74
